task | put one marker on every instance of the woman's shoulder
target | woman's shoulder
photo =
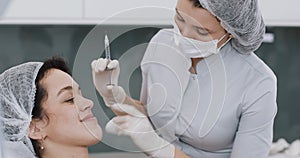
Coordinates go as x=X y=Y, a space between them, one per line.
x=250 y=65
x=257 y=78
x=259 y=66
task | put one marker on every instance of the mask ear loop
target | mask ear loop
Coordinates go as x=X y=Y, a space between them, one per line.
x=229 y=38
x=176 y=32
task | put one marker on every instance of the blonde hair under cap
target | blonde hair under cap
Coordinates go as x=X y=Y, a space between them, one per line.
x=17 y=95
x=241 y=18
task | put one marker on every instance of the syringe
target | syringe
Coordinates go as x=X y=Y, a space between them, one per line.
x=107 y=56
x=107 y=48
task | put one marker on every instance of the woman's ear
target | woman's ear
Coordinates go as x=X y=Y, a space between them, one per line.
x=37 y=129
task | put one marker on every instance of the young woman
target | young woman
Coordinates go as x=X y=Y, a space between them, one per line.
x=44 y=114
x=204 y=89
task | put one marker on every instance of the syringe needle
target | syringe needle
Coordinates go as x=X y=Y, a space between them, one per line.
x=107 y=56
x=107 y=48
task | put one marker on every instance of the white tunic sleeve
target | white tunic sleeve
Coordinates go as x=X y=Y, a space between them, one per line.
x=161 y=96
x=255 y=132
x=165 y=77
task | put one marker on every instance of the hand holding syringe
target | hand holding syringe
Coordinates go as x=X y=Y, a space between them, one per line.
x=105 y=77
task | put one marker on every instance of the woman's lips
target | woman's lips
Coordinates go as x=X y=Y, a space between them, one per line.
x=88 y=118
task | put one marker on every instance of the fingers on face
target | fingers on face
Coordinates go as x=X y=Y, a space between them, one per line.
x=128 y=124
x=120 y=120
x=128 y=109
x=118 y=124
x=112 y=127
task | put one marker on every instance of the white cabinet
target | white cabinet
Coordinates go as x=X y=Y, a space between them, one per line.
x=280 y=13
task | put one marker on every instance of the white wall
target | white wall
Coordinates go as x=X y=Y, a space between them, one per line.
x=42 y=11
x=157 y=12
x=281 y=12
x=126 y=12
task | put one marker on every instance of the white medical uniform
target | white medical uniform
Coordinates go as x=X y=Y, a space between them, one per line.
x=226 y=110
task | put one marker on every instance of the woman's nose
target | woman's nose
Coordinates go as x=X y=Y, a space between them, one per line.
x=85 y=104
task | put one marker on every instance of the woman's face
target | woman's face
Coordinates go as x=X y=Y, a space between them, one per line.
x=197 y=23
x=71 y=121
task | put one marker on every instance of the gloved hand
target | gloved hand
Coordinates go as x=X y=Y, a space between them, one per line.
x=294 y=149
x=136 y=125
x=110 y=94
x=279 y=146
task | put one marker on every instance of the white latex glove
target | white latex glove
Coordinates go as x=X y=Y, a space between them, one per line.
x=279 y=146
x=138 y=127
x=110 y=94
x=294 y=149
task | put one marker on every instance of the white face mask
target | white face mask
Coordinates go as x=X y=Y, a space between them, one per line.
x=194 y=48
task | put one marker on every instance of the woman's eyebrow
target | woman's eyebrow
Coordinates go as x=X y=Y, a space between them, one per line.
x=178 y=13
x=67 y=88
x=197 y=27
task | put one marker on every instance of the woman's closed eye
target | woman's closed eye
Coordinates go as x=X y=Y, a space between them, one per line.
x=179 y=18
x=70 y=100
x=201 y=31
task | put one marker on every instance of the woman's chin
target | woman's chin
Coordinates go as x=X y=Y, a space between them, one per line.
x=97 y=134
